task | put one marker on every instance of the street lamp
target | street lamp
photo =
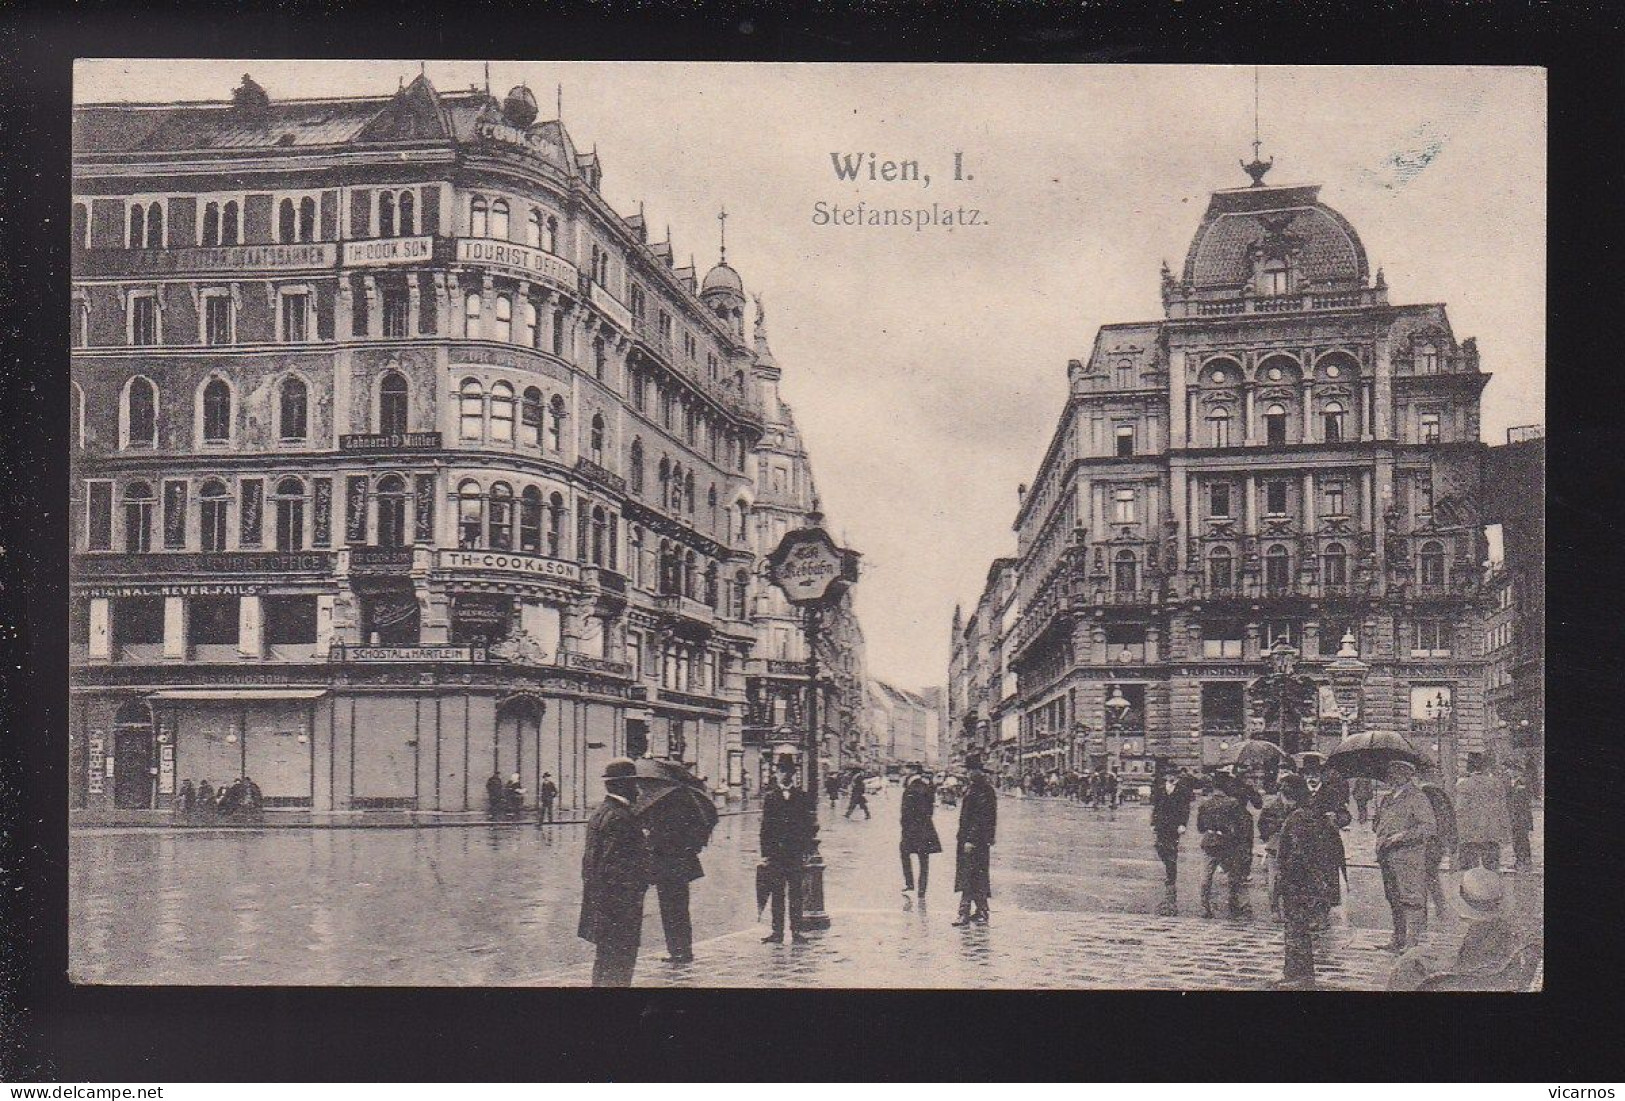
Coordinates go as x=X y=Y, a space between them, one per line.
x=1439 y=710
x=1116 y=709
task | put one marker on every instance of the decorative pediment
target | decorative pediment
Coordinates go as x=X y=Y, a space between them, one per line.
x=1222 y=529
x=1276 y=393
x=1277 y=527
x=1338 y=526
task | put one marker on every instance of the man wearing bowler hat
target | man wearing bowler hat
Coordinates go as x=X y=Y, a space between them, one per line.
x=614 y=878
x=1405 y=824
x=789 y=831
x=978 y=824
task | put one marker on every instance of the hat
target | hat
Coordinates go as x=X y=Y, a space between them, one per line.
x=1408 y=766
x=621 y=768
x=1311 y=762
x=1295 y=787
x=1481 y=896
x=973 y=761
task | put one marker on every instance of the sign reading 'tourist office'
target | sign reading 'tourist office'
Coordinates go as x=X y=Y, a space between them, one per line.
x=810 y=568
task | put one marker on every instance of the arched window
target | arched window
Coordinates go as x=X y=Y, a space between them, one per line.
x=664 y=474
x=471 y=315
x=711 y=505
x=216 y=411
x=710 y=596
x=479 y=218
x=137 y=518
x=292 y=411
x=392 y=511
x=557 y=517
x=408 y=214
x=1126 y=572
x=744 y=522
x=528 y=336
x=290 y=514
x=141 y=413
x=470 y=515
x=471 y=410
x=287 y=222
x=386 y=214
x=530 y=417
x=307 y=219
x=500 y=511
x=635 y=555
x=550 y=239
x=530 y=520
x=635 y=465
x=688 y=491
x=499 y=220
x=504 y=319
x=393 y=405
x=210 y=233
x=1431 y=561
x=1218 y=427
x=595 y=439
x=741 y=594
x=1277 y=568
x=1331 y=421
x=555 y=423
x=1275 y=424
x=230 y=232
x=690 y=576
x=137 y=237
x=600 y=534
x=600 y=359
x=1334 y=565
x=1220 y=572
x=213 y=501
x=533 y=229
x=502 y=413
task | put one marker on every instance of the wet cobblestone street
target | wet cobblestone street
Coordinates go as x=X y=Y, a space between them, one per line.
x=1075 y=889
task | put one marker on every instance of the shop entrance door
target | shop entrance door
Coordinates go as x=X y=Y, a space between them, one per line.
x=132 y=757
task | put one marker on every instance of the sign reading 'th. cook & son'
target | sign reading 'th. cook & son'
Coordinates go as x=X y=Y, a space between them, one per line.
x=509 y=562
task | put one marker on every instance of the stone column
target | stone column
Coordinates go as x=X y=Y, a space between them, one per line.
x=1308 y=412
x=250 y=627
x=413 y=311
x=1308 y=502
x=1252 y=504
x=369 y=285
x=324 y=624
x=101 y=634
x=174 y=628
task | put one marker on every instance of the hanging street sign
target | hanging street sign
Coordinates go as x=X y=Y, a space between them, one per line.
x=810 y=568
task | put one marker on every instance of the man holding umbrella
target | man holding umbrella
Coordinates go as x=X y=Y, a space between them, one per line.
x=1404 y=826
x=679 y=815
x=614 y=878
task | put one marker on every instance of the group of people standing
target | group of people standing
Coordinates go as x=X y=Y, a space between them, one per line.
x=1096 y=788
x=240 y=800
x=506 y=798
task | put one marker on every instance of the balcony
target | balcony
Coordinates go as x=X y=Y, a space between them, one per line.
x=1301 y=302
x=1121 y=598
x=608 y=305
x=683 y=608
x=600 y=476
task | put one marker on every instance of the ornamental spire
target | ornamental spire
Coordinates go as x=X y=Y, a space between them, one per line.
x=1257 y=168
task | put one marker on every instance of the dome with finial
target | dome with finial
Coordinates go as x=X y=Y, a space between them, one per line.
x=723 y=278
x=1243 y=224
x=519 y=109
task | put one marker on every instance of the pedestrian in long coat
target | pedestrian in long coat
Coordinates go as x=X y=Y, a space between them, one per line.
x=1307 y=866
x=1227 y=843
x=978 y=826
x=1440 y=845
x=677 y=832
x=859 y=799
x=789 y=833
x=1404 y=826
x=919 y=833
x=1520 y=812
x=1172 y=794
x=614 y=879
x=1482 y=822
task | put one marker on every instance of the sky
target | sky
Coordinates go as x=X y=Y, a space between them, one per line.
x=927 y=368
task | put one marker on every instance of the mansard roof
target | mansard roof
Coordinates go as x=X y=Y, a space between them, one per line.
x=1242 y=220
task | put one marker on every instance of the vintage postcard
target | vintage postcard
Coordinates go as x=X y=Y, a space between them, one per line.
x=675 y=524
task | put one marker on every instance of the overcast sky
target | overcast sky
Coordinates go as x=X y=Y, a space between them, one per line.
x=927 y=369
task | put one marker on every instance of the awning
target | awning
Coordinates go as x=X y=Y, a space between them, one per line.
x=227 y=695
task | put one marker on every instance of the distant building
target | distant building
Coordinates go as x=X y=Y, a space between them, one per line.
x=901 y=723
x=1515 y=625
x=981 y=695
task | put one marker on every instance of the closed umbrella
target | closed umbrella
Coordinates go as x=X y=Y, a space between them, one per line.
x=1370 y=752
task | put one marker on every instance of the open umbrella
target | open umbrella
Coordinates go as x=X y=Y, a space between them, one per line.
x=666 y=788
x=1257 y=755
x=1369 y=753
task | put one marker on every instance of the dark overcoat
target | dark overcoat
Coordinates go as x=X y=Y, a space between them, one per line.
x=1310 y=858
x=919 y=832
x=677 y=833
x=1170 y=810
x=614 y=876
x=789 y=825
x=978 y=824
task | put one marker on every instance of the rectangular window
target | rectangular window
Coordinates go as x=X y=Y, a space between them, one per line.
x=213 y=620
x=558 y=334
x=217 y=318
x=1430 y=638
x=1221 y=638
x=1219 y=499
x=1335 y=504
x=295 y=317
x=1280 y=631
x=138 y=620
x=396 y=314
x=1424 y=493
x=1224 y=709
x=1275 y=498
x=144 y=320
x=98 y=516
x=634 y=653
x=1430 y=428
x=290 y=620
x=1123 y=506
x=1125 y=440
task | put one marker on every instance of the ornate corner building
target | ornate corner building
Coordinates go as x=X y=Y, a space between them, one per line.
x=400 y=459
x=1285 y=459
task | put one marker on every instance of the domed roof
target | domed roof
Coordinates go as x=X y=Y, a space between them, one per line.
x=520 y=107
x=723 y=278
x=1239 y=222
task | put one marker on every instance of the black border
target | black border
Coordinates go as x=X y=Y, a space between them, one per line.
x=49 y=1031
